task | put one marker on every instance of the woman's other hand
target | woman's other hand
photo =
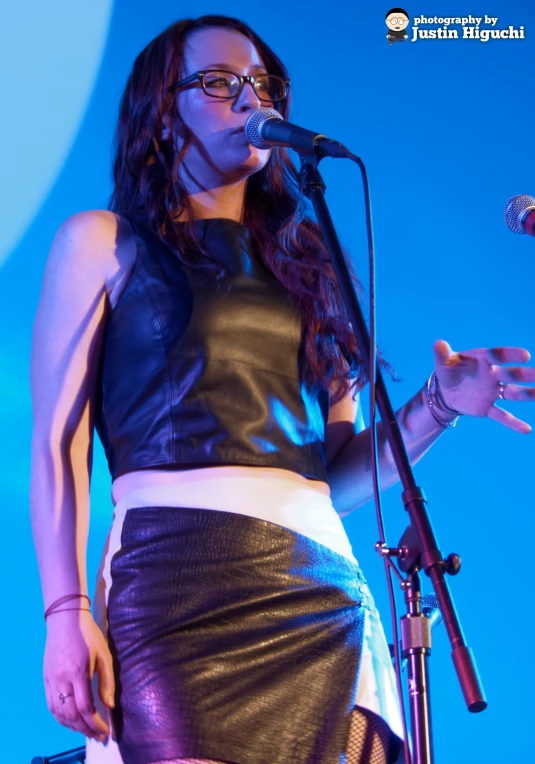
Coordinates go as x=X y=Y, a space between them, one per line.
x=75 y=650
x=471 y=381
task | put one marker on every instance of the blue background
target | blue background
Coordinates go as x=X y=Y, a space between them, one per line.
x=443 y=127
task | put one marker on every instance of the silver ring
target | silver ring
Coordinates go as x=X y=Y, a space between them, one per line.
x=63 y=697
x=502 y=391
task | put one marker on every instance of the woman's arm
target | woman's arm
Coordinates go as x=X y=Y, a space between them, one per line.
x=471 y=382
x=66 y=345
x=349 y=473
x=66 y=341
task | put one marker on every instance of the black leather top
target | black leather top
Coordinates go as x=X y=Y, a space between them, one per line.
x=193 y=376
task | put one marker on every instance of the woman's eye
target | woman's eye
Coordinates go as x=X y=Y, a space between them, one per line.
x=217 y=82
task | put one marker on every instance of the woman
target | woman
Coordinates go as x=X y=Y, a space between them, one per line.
x=198 y=325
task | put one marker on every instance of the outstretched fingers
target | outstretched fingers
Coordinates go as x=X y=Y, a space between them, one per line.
x=506 y=418
x=507 y=354
x=514 y=374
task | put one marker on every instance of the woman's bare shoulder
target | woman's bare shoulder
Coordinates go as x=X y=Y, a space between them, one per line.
x=88 y=250
x=107 y=239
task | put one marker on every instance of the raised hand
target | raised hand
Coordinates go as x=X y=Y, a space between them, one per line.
x=472 y=381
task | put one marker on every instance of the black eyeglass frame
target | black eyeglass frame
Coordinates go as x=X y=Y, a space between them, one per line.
x=243 y=78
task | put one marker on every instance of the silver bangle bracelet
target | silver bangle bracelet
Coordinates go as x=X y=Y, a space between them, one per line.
x=433 y=399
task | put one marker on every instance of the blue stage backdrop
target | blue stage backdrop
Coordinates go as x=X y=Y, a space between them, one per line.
x=443 y=126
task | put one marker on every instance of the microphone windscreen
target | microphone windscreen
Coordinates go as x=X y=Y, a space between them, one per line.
x=431 y=608
x=514 y=207
x=253 y=126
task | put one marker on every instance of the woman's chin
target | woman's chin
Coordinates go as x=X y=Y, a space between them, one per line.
x=237 y=172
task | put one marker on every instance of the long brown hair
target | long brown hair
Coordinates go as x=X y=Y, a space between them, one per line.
x=147 y=186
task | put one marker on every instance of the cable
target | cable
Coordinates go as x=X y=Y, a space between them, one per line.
x=374 y=451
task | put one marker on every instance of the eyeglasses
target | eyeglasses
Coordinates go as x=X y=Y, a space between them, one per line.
x=219 y=83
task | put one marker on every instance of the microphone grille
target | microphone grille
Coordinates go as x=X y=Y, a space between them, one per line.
x=430 y=603
x=514 y=208
x=253 y=126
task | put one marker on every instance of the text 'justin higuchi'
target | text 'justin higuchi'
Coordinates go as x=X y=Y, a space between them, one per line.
x=470 y=29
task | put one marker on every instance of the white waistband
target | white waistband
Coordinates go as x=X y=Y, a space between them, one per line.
x=283 y=501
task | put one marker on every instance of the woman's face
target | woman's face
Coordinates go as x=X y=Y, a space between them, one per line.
x=215 y=120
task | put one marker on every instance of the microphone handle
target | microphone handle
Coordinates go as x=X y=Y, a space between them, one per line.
x=280 y=132
x=284 y=133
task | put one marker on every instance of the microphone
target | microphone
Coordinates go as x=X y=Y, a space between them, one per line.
x=520 y=214
x=431 y=609
x=265 y=128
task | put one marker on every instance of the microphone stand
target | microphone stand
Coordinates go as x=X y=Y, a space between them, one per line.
x=74 y=756
x=418 y=547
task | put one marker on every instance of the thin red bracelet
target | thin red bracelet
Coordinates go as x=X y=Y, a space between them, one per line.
x=66 y=598
x=63 y=610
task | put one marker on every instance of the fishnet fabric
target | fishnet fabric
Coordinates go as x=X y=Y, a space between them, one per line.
x=369 y=739
x=369 y=742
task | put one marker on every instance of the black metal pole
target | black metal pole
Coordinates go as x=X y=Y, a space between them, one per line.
x=74 y=756
x=416 y=647
x=413 y=497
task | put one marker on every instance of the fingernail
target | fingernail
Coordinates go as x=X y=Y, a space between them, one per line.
x=111 y=701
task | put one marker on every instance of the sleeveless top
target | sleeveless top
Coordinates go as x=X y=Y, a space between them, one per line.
x=192 y=375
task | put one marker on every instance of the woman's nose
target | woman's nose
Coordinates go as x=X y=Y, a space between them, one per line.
x=248 y=97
